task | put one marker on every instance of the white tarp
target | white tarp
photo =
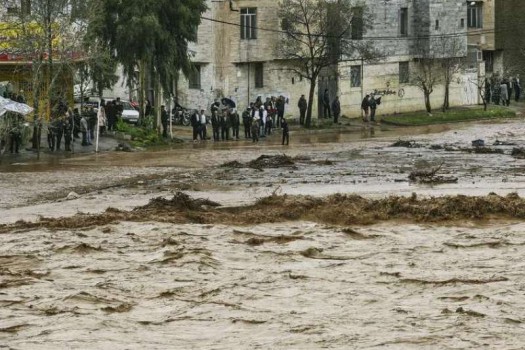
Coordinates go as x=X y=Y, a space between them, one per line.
x=7 y=105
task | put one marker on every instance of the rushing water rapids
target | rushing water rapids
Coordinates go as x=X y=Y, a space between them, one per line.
x=373 y=267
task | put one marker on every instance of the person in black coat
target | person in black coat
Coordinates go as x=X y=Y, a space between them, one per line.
x=326 y=104
x=286 y=132
x=303 y=106
x=336 y=109
x=195 y=124
x=164 y=119
x=247 y=122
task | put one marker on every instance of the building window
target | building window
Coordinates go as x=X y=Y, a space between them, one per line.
x=475 y=15
x=195 y=78
x=437 y=24
x=355 y=76
x=404 y=73
x=462 y=23
x=249 y=23
x=403 y=21
x=357 y=23
x=488 y=57
x=259 y=75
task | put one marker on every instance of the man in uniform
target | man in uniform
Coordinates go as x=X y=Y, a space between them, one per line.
x=15 y=135
x=336 y=109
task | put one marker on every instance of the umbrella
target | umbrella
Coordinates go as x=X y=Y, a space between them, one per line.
x=228 y=102
x=7 y=105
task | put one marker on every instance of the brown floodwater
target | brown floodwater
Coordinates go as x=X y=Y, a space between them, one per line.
x=158 y=285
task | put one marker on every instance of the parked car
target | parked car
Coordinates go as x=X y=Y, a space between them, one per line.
x=129 y=113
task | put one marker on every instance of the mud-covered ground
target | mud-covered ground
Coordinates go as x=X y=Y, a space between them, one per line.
x=356 y=271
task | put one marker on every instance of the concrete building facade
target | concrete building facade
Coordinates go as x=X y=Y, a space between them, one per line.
x=243 y=65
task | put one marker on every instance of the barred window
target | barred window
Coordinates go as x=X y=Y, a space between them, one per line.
x=355 y=76
x=259 y=75
x=404 y=73
x=195 y=78
x=249 y=23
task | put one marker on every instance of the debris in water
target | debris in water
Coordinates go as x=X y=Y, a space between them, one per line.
x=429 y=176
x=407 y=144
x=518 y=153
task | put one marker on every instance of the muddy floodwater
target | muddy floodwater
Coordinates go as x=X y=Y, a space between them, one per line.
x=243 y=257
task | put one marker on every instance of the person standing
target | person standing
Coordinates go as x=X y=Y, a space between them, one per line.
x=372 y=103
x=195 y=123
x=67 y=134
x=202 y=126
x=336 y=109
x=286 y=132
x=326 y=104
x=303 y=106
x=364 y=107
x=509 y=84
x=84 y=130
x=215 y=125
x=101 y=117
x=15 y=137
x=263 y=114
x=280 y=104
x=59 y=132
x=255 y=127
x=247 y=122
x=235 y=123
x=110 y=112
x=225 y=125
x=164 y=119
x=488 y=91
x=517 y=88
x=504 y=94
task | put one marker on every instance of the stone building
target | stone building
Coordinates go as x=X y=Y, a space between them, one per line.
x=236 y=59
x=496 y=37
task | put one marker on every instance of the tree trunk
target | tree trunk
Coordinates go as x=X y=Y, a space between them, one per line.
x=446 y=104
x=427 y=101
x=142 y=81
x=308 y=121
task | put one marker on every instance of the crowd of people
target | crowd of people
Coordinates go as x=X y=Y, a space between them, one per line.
x=259 y=120
x=501 y=91
x=70 y=124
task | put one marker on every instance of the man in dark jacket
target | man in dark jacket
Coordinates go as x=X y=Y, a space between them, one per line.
x=336 y=109
x=247 y=122
x=286 y=132
x=194 y=120
x=326 y=104
x=365 y=108
x=235 y=124
x=372 y=103
x=303 y=106
x=225 y=125
x=279 y=104
x=164 y=120
x=215 y=125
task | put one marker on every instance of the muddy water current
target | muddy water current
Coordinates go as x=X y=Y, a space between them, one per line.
x=290 y=285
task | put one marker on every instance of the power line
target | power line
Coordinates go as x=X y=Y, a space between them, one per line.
x=378 y=38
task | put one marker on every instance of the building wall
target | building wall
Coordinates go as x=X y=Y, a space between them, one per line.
x=225 y=58
x=510 y=35
x=228 y=63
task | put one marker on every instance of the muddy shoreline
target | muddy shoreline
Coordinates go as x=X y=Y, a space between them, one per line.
x=320 y=245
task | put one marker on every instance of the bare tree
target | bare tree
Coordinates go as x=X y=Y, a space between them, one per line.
x=452 y=51
x=318 y=34
x=428 y=73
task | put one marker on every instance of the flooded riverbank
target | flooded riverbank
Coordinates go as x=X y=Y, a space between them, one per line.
x=334 y=247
